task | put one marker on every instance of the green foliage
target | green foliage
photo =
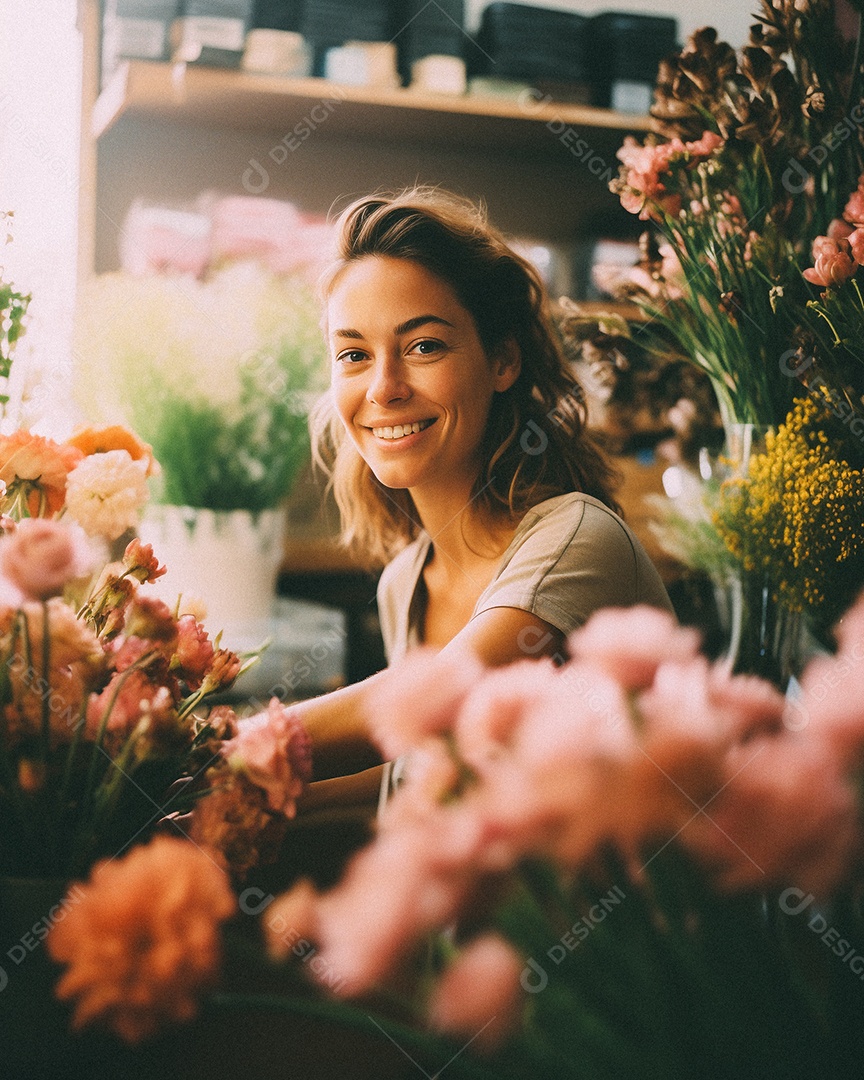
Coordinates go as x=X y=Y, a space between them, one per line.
x=13 y=308
x=216 y=375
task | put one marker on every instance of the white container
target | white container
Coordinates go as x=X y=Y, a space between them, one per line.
x=277 y=52
x=224 y=560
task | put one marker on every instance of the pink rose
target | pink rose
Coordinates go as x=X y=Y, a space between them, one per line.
x=274 y=751
x=40 y=557
x=833 y=262
x=854 y=210
x=856 y=243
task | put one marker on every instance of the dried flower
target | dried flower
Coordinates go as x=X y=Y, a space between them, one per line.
x=142 y=942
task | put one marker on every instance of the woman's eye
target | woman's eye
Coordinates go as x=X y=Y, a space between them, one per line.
x=350 y=356
x=427 y=347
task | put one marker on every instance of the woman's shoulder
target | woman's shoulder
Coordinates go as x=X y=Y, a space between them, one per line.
x=572 y=512
x=569 y=556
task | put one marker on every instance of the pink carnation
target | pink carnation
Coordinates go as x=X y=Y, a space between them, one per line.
x=784 y=814
x=420 y=699
x=479 y=995
x=274 y=751
x=629 y=644
x=194 y=652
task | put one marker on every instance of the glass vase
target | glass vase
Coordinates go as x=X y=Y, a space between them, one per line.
x=764 y=636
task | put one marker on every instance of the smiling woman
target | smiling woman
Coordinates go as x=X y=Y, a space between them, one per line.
x=454 y=435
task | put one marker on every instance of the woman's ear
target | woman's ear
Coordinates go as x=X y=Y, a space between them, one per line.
x=508 y=364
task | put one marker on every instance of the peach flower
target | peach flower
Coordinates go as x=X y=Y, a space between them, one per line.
x=76 y=660
x=234 y=823
x=224 y=669
x=40 y=463
x=40 y=557
x=856 y=243
x=290 y=918
x=130 y=699
x=479 y=995
x=141 y=563
x=839 y=229
x=274 y=751
x=142 y=942
x=854 y=209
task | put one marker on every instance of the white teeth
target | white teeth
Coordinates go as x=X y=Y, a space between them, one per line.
x=399 y=431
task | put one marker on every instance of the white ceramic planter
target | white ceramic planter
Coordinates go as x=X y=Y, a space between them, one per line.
x=227 y=560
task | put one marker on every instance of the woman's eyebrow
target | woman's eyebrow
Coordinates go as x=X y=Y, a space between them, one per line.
x=403 y=328
x=421 y=320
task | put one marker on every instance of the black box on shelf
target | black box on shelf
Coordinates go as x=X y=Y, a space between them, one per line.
x=627 y=50
x=135 y=30
x=277 y=15
x=420 y=29
x=523 y=42
x=327 y=24
x=211 y=32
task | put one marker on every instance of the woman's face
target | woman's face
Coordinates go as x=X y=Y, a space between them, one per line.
x=411 y=380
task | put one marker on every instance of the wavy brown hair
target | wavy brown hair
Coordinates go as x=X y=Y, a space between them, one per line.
x=535 y=445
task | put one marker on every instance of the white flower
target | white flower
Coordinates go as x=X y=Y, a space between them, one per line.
x=105 y=492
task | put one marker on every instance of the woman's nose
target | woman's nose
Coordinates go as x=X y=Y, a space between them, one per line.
x=387 y=384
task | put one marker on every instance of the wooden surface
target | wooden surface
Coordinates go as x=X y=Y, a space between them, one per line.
x=201 y=95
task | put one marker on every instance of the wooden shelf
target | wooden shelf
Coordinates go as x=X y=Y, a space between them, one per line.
x=623 y=308
x=219 y=98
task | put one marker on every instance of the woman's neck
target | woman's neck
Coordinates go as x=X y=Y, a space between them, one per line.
x=463 y=534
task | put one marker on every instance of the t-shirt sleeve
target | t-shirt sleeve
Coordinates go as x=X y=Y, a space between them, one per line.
x=572 y=561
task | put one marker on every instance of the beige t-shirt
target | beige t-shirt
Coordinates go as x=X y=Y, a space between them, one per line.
x=570 y=556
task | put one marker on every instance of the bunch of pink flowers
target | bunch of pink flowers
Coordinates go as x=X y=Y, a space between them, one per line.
x=636 y=742
x=98 y=722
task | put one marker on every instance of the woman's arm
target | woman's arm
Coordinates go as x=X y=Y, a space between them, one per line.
x=338 y=722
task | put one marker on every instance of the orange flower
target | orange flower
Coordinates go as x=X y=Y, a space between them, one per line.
x=41 y=463
x=142 y=941
x=90 y=440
